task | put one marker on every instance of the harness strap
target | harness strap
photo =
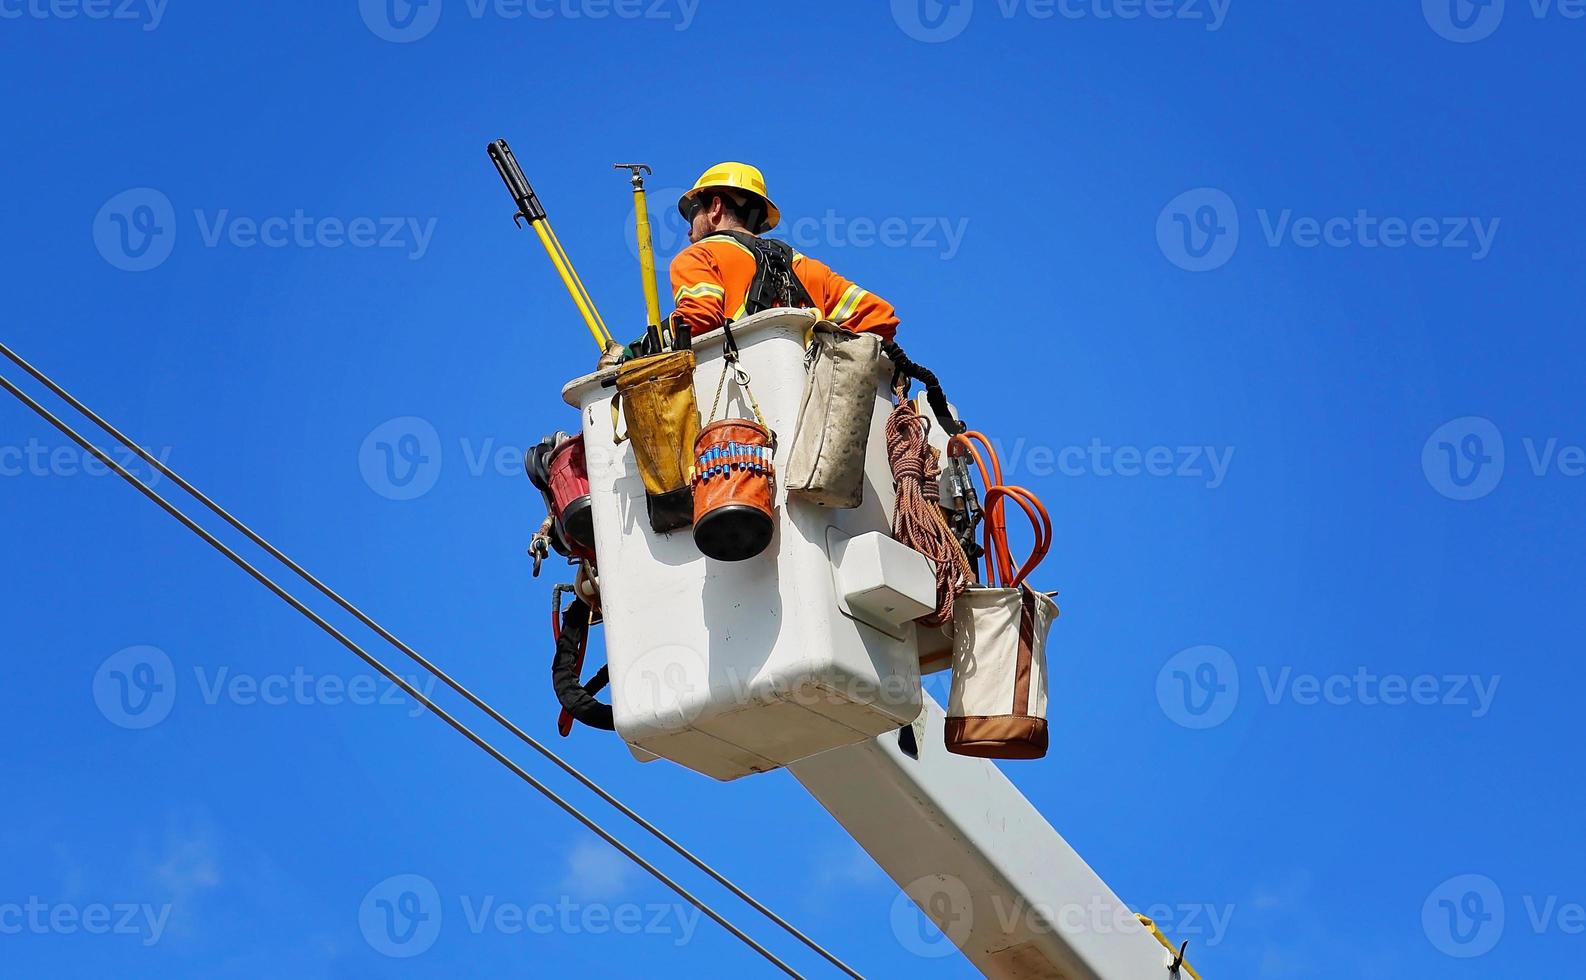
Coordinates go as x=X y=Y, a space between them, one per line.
x=775 y=282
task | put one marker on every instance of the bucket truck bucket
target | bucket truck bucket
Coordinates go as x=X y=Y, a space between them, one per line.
x=735 y=667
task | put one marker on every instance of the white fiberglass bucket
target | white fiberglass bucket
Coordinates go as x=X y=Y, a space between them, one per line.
x=742 y=667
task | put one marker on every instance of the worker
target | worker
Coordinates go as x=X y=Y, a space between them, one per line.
x=730 y=272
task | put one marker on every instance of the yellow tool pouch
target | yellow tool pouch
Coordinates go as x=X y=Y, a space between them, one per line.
x=655 y=396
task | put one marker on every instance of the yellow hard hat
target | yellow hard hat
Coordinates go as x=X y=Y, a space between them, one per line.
x=735 y=176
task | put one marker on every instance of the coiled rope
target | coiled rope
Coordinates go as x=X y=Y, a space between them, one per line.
x=917 y=520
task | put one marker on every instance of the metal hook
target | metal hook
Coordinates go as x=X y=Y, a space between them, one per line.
x=1178 y=961
x=638 y=170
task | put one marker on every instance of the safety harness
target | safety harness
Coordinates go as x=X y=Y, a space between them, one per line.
x=775 y=286
x=775 y=283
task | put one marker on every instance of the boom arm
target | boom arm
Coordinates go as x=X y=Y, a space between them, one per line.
x=982 y=862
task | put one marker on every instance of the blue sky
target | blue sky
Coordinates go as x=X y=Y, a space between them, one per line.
x=1276 y=305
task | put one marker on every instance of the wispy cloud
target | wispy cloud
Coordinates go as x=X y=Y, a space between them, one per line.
x=847 y=867
x=1284 y=895
x=1281 y=905
x=596 y=872
x=190 y=866
x=183 y=867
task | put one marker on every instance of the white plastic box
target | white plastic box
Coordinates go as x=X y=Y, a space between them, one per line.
x=731 y=668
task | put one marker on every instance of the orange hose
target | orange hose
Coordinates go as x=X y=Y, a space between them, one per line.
x=1000 y=570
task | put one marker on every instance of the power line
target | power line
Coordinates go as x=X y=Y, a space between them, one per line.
x=422 y=661
x=393 y=677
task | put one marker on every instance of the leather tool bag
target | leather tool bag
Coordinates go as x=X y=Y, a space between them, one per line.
x=656 y=398
x=826 y=462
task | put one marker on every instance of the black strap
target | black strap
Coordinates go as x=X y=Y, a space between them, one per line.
x=775 y=283
x=577 y=697
x=906 y=368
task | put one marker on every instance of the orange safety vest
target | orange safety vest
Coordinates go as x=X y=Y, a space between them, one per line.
x=711 y=280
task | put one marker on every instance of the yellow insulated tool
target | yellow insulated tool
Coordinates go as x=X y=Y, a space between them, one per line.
x=530 y=210
x=1179 y=964
x=641 y=214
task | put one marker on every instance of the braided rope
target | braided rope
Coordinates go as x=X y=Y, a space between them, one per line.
x=917 y=520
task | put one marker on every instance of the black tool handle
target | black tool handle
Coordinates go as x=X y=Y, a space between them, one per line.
x=517 y=185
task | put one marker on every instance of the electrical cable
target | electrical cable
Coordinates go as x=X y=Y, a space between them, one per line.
x=422 y=661
x=392 y=676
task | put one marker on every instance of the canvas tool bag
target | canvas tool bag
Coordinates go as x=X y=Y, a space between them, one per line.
x=826 y=462
x=997 y=709
x=655 y=396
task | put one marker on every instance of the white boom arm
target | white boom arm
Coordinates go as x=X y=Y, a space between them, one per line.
x=981 y=862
